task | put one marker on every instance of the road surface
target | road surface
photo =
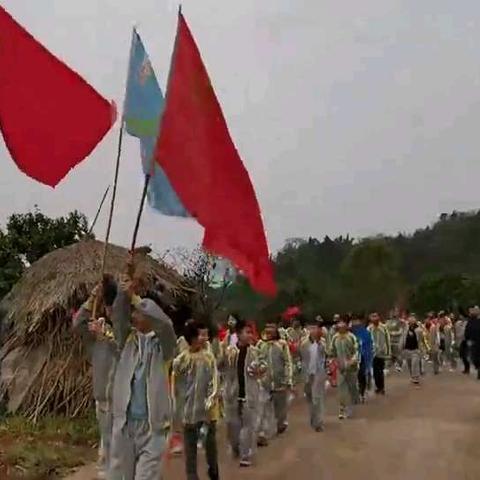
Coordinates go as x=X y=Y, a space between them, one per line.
x=431 y=433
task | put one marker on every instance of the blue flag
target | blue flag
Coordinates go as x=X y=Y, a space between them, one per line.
x=144 y=105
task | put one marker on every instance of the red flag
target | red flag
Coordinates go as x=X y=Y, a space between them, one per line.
x=50 y=118
x=198 y=155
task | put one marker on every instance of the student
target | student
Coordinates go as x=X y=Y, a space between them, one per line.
x=447 y=340
x=231 y=336
x=344 y=349
x=197 y=368
x=434 y=340
x=313 y=353
x=461 y=344
x=97 y=337
x=395 y=327
x=383 y=351
x=178 y=393
x=296 y=334
x=242 y=368
x=279 y=373
x=425 y=354
x=366 y=351
x=413 y=344
x=141 y=402
x=331 y=363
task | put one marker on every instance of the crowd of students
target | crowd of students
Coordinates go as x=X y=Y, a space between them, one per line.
x=158 y=395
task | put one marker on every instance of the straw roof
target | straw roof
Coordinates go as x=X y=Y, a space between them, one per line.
x=61 y=280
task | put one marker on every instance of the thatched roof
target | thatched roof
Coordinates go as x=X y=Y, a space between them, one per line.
x=61 y=280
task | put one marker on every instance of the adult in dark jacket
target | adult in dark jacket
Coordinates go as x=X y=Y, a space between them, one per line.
x=472 y=337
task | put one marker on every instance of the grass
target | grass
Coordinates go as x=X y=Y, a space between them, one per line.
x=46 y=450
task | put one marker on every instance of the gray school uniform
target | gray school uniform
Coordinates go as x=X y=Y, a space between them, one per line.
x=141 y=400
x=434 y=342
x=313 y=366
x=103 y=354
x=449 y=354
x=279 y=376
x=242 y=413
x=414 y=357
x=344 y=349
x=179 y=389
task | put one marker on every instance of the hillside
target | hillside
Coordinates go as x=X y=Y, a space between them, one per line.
x=437 y=267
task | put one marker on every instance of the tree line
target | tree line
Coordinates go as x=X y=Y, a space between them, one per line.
x=27 y=237
x=434 y=268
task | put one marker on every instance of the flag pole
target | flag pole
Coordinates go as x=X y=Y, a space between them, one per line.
x=149 y=175
x=119 y=152
x=115 y=178
x=99 y=210
x=141 y=207
x=114 y=195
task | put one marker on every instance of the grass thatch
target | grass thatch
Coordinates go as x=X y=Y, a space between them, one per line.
x=62 y=280
x=38 y=311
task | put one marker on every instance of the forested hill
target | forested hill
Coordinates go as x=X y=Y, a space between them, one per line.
x=437 y=267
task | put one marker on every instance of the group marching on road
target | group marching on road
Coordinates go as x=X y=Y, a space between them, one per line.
x=158 y=395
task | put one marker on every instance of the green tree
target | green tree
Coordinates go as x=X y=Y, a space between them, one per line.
x=445 y=291
x=29 y=236
x=436 y=267
x=371 y=275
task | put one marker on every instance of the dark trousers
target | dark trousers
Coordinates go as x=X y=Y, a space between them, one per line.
x=362 y=379
x=475 y=356
x=191 y=436
x=378 y=375
x=463 y=352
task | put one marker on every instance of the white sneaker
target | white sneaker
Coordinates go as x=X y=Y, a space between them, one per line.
x=101 y=474
x=245 y=463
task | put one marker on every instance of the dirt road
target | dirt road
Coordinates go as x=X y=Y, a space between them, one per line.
x=415 y=434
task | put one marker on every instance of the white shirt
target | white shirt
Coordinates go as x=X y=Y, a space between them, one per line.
x=313 y=364
x=233 y=340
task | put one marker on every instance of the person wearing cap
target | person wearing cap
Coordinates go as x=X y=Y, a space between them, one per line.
x=97 y=336
x=141 y=399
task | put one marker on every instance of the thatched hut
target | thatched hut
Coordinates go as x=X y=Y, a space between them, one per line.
x=44 y=368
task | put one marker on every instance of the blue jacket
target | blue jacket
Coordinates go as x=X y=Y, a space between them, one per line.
x=365 y=342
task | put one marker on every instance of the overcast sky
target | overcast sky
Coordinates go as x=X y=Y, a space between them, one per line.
x=352 y=116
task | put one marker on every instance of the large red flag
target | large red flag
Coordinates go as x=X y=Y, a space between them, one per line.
x=50 y=118
x=197 y=153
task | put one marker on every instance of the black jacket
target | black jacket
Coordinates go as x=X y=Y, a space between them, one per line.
x=472 y=331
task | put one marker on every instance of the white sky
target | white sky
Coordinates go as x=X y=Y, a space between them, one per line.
x=353 y=117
